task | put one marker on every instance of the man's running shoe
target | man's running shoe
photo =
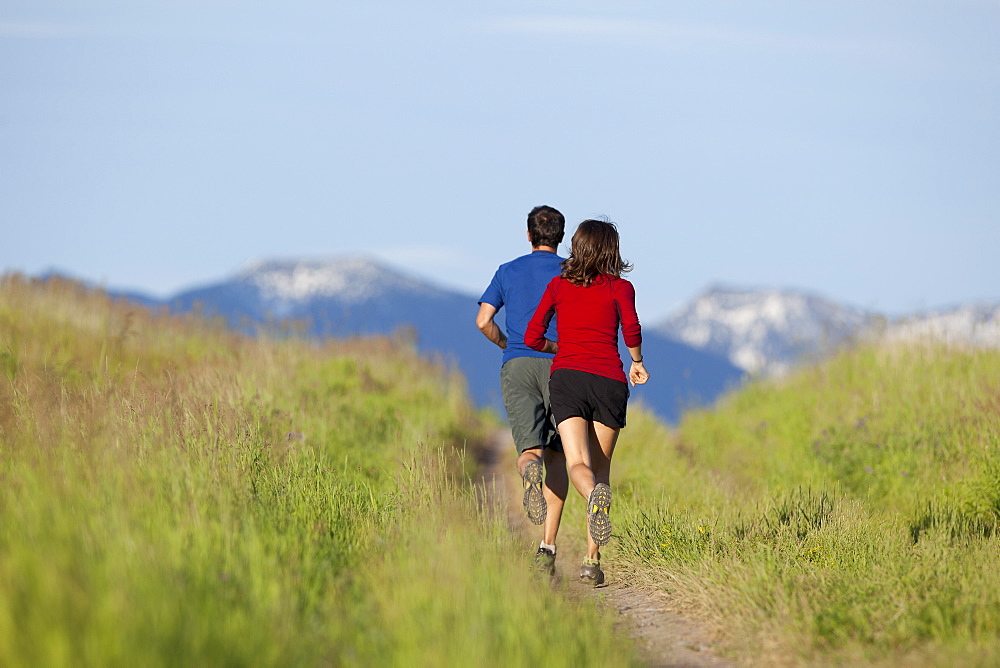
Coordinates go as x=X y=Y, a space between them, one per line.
x=534 y=501
x=545 y=561
x=591 y=573
x=597 y=514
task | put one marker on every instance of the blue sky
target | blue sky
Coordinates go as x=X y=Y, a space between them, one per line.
x=850 y=149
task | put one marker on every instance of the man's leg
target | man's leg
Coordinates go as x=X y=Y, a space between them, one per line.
x=556 y=480
x=529 y=465
x=555 y=490
x=526 y=414
x=529 y=455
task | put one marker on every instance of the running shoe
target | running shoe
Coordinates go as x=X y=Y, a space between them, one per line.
x=591 y=573
x=597 y=514
x=534 y=501
x=545 y=561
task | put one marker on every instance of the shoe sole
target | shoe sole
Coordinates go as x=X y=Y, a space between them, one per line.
x=597 y=514
x=592 y=575
x=534 y=500
x=545 y=565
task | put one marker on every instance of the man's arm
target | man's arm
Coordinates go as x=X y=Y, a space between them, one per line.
x=486 y=325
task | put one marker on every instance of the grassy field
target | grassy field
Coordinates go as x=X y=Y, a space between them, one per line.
x=846 y=514
x=172 y=494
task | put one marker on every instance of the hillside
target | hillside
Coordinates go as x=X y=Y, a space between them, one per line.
x=173 y=493
x=176 y=492
x=848 y=513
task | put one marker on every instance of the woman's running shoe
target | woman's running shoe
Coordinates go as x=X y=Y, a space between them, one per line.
x=591 y=573
x=598 y=508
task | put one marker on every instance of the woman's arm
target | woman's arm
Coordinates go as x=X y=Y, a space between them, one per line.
x=631 y=331
x=624 y=295
x=534 y=335
x=637 y=374
x=551 y=347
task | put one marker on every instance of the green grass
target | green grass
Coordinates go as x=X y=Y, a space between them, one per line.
x=847 y=513
x=172 y=494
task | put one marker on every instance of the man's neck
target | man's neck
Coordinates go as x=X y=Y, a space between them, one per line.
x=543 y=248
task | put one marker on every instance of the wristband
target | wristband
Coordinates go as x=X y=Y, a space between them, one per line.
x=638 y=361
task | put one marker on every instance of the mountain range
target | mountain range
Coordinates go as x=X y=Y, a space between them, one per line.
x=357 y=296
x=700 y=351
x=767 y=332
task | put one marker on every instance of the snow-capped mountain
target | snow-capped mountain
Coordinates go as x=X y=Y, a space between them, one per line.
x=769 y=331
x=765 y=331
x=354 y=296
x=352 y=280
x=976 y=325
x=702 y=350
x=339 y=297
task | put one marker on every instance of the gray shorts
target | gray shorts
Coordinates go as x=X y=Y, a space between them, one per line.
x=525 y=385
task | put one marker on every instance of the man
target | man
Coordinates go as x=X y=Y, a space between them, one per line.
x=518 y=286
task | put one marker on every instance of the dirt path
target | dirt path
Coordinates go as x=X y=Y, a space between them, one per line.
x=663 y=637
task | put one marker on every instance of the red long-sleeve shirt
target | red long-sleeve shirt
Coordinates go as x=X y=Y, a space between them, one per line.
x=587 y=320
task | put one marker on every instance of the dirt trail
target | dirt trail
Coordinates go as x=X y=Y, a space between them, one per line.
x=662 y=636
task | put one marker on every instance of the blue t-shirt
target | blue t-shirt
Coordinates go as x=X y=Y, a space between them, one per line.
x=518 y=285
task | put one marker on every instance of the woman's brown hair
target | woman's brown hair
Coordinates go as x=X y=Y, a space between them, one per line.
x=594 y=251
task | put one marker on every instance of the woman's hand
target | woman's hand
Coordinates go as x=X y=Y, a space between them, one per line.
x=638 y=375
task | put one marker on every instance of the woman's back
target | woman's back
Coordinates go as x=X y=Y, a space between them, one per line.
x=587 y=323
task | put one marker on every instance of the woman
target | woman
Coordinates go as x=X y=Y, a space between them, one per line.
x=587 y=385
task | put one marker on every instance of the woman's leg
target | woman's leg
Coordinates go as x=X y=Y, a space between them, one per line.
x=589 y=448
x=575 y=435
x=602 y=439
x=602 y=447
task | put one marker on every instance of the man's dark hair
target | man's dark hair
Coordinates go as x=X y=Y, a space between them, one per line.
x=546 y=226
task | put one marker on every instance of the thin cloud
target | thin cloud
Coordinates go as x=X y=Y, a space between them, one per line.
x=681 y=37
x=451 y=266
x=21 y=30
x=113 y=28
x=428 y=254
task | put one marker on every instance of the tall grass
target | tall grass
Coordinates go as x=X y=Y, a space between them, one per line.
x=173 y=494
x=849 y=512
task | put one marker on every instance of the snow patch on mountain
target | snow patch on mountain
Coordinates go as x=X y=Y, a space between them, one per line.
x=971 y=325
x=769 y=331
x=764 y=331
x=351 y=280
